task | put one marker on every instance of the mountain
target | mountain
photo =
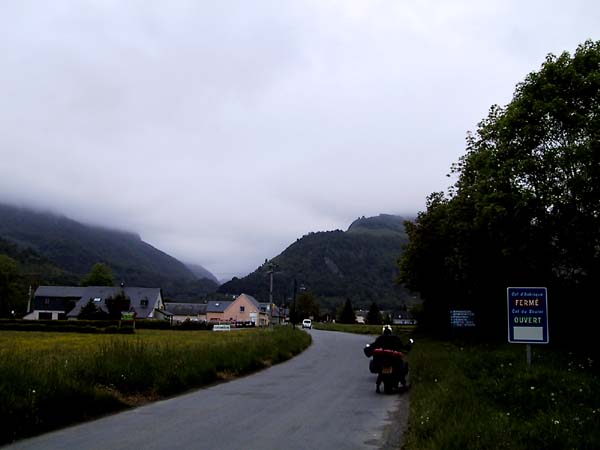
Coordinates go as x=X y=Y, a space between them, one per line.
x=34 y=267
x=201 y=273
x=381 y=225
x=359 y=264
x=75 y=248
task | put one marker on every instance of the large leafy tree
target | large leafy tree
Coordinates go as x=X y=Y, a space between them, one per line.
x=91 y=312
x=525 y=209
x=117 y=304
x=12 y=293
x=307 y=306
x=100 y=275
x=374 y=315
x=346 y=314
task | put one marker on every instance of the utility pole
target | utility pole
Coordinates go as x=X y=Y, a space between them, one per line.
x=271 y=271
x=294 y=297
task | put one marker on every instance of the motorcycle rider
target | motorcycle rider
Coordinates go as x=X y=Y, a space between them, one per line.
x=389 y=341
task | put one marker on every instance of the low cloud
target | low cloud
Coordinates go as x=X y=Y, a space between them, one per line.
x=222 y=132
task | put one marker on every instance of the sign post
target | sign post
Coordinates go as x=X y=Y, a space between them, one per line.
x=528 y=316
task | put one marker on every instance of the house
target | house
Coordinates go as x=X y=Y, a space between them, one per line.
x=244 y=310
x=65 y=302
x=215 y=310
x=181 y=312
x=54 y=302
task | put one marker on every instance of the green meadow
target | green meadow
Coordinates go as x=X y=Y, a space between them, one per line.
x=49 y=380
x=484 y=396
x=402 y=330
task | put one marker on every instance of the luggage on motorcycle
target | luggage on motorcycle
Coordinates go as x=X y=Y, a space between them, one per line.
x=374 y=366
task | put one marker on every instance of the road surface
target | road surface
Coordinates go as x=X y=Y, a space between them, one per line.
x=322 y=399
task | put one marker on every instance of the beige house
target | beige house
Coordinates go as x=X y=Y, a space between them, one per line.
x=243 y=311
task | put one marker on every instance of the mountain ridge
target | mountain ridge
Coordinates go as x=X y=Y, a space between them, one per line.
x=76 y=247
x=359 y=263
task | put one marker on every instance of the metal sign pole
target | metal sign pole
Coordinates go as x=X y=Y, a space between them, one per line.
x=528 y=355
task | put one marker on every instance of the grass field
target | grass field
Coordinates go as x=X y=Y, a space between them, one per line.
x=362 y=329
x=486 y=397
x=49 y=380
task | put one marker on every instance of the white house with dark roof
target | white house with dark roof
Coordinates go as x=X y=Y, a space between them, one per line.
x=54 y=302
x=60 y=302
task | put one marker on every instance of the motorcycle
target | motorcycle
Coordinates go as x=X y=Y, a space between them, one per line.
x=389 y=365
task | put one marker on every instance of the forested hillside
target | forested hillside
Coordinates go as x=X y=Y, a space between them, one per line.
x=359 y=264
x=75 y=248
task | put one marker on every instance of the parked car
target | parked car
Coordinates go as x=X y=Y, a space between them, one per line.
x=307 y=323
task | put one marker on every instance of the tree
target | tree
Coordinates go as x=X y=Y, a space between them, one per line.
x=117 y=304
x=374 y=315
x=525 y=209
x=347 y=313
x=307 y=306
x=12 y=294
x=100 y=275
x=91 y=312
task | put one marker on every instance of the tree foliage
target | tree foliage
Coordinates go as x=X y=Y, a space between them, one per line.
x=307 y=306
x=525 y=209
x=91 y=312
x=11 y=289
x=100 y=275
x=374 y=315
x=346 y=314
x=117 y=304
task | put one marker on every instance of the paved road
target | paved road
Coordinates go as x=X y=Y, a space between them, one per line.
x=321 y=399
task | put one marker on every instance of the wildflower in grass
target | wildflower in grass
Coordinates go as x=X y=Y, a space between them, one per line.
x=556 y=422
x=532 y=388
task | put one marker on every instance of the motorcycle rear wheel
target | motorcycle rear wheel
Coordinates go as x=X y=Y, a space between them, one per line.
x=388 y=386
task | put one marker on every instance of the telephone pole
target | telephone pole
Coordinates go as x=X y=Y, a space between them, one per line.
x=271 y=271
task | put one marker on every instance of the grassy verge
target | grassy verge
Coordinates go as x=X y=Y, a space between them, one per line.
x=360 y=328
x=49 y=380
x=485 y=397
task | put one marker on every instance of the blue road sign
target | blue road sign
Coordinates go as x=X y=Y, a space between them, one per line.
x=528 y=315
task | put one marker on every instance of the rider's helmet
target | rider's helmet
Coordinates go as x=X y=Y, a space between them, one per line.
x=386 y=329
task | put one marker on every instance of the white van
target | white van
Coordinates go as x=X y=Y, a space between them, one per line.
x=307 y=323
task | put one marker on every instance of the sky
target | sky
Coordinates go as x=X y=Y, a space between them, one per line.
x=222 y=131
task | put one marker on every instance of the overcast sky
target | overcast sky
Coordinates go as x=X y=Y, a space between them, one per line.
x=221 y=131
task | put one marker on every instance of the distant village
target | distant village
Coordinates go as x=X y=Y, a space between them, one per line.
x=70 y=302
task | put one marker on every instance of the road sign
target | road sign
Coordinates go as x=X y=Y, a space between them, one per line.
x=127 y=316
x=528 y=315
x=462 y=318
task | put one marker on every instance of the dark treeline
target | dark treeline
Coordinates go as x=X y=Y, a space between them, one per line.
x=524 y=211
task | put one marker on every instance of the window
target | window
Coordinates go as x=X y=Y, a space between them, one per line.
x=242 y=308
x=97 y=300
x=144 y=302
x=46 y=301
